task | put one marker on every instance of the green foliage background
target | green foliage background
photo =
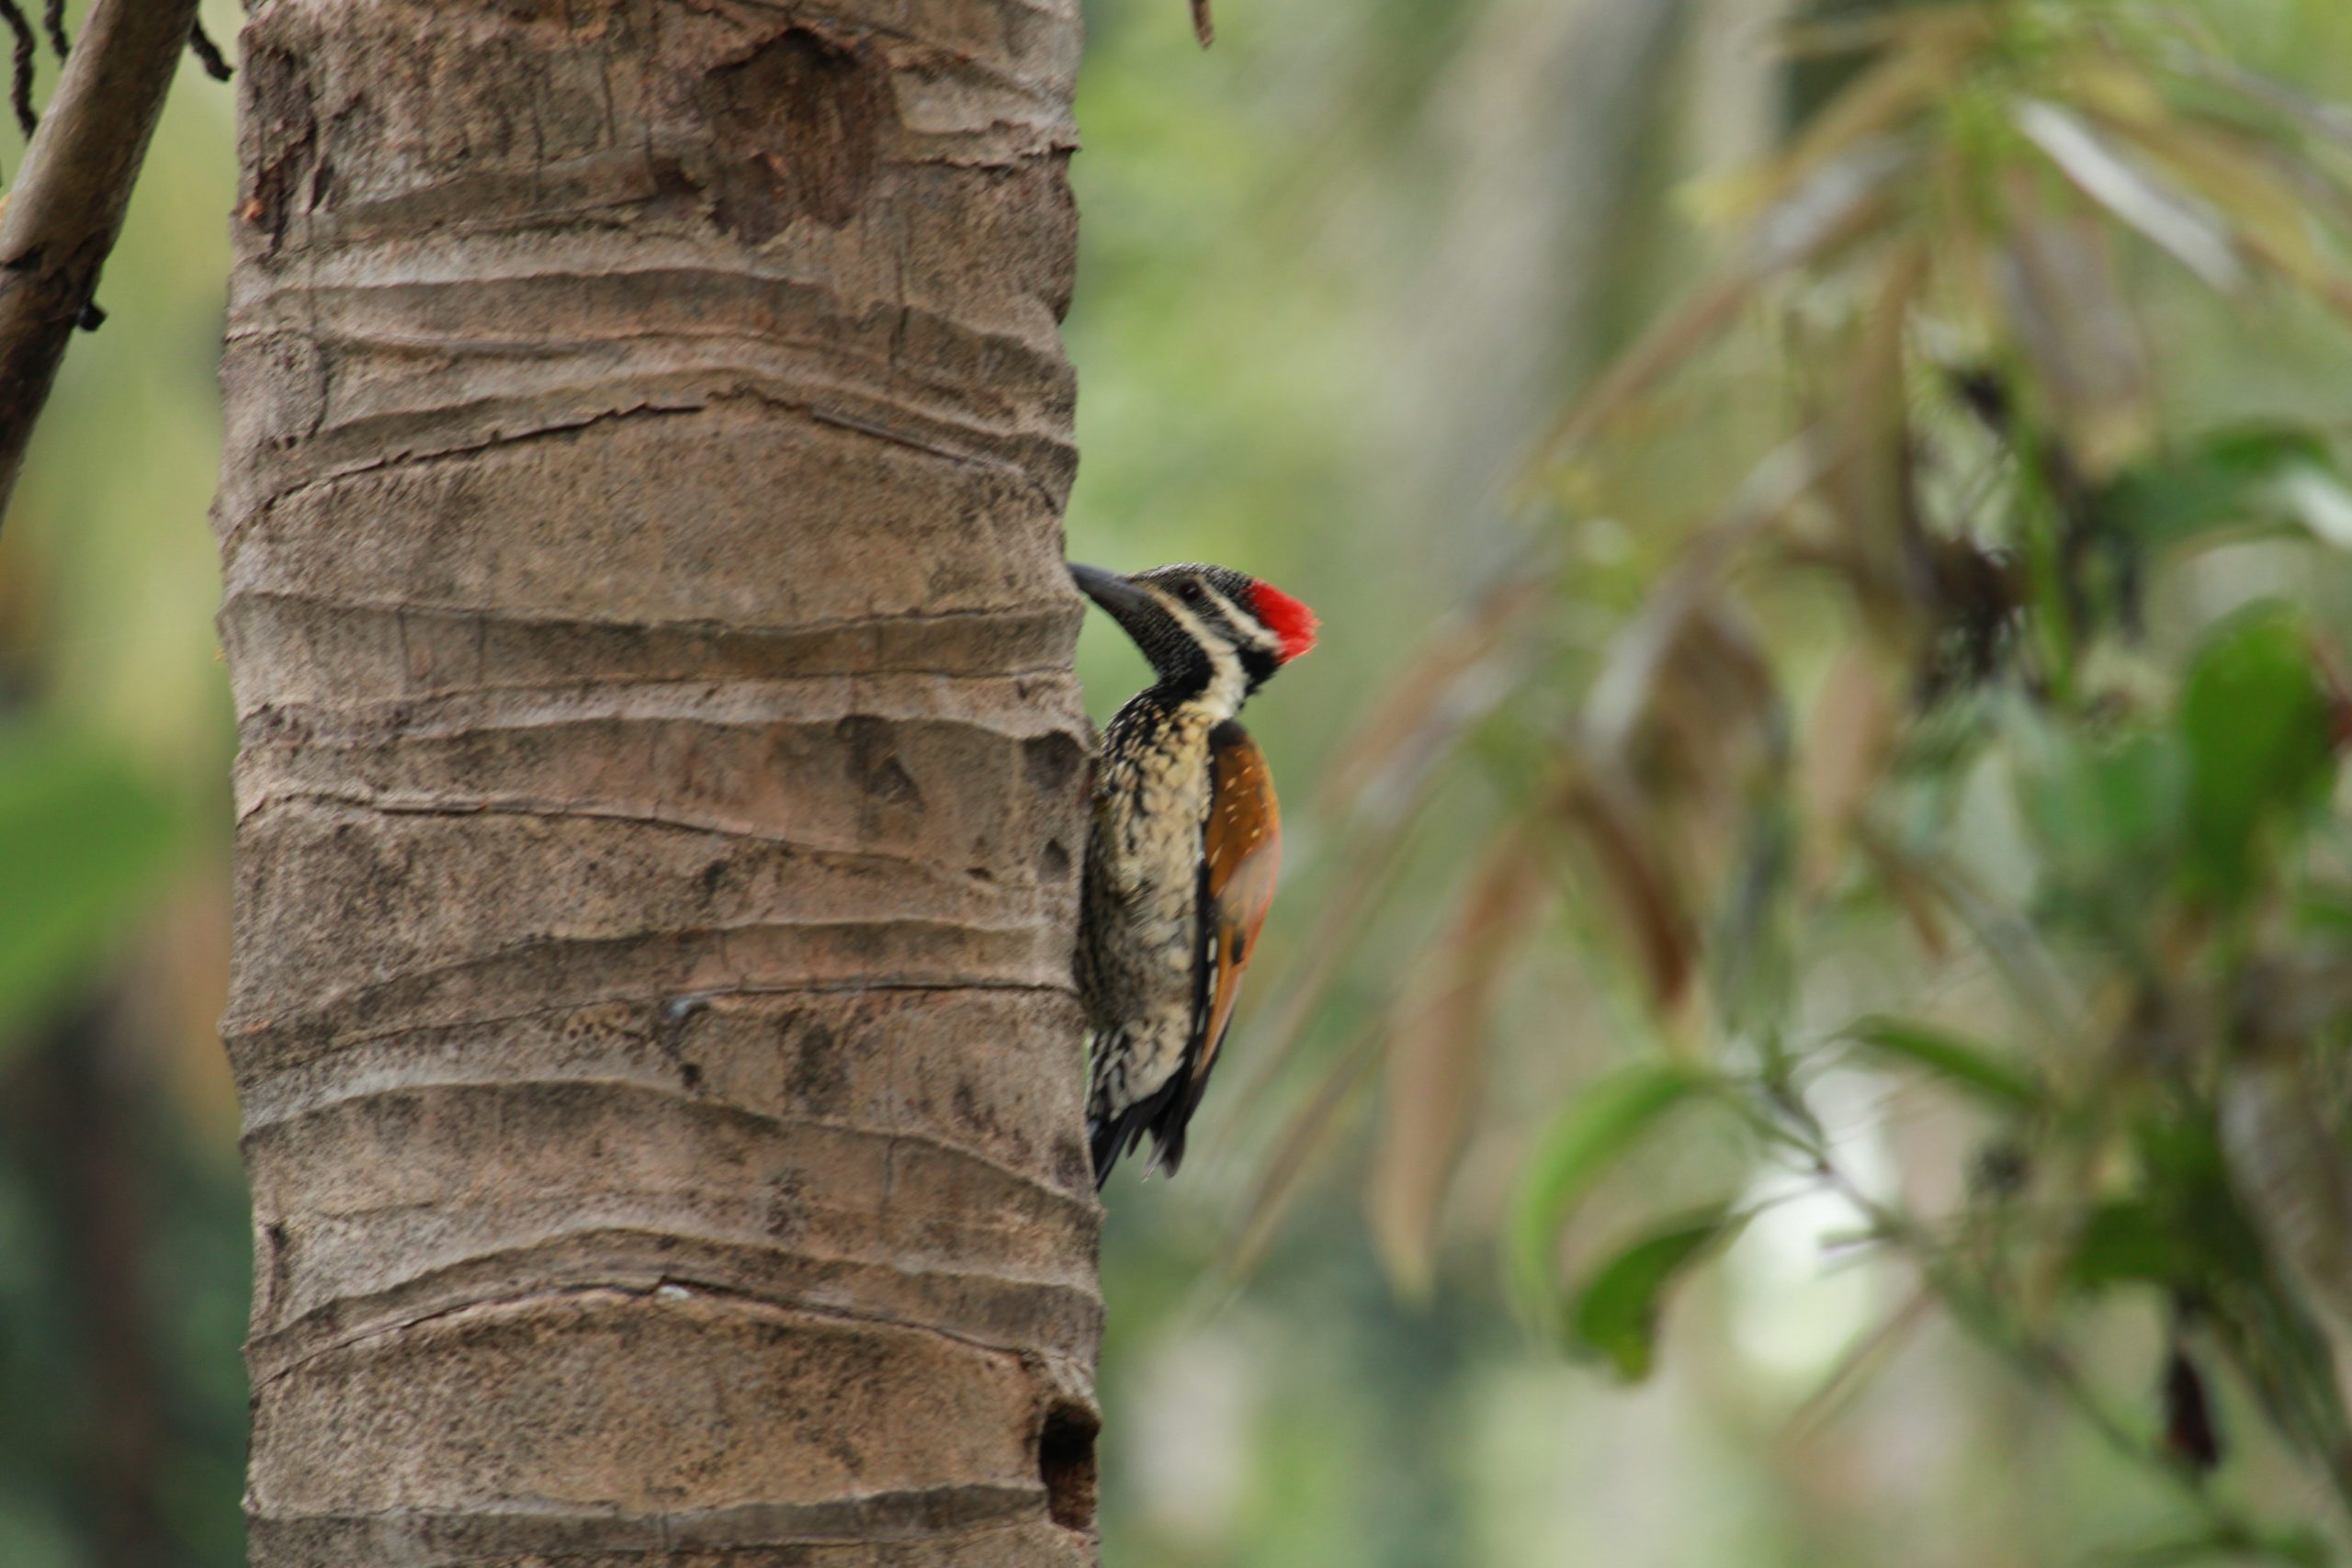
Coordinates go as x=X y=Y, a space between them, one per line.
x=1793 y=878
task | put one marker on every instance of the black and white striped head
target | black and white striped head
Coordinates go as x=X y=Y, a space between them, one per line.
x=1212 y=634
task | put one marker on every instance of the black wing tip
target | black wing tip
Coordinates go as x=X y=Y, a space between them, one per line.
x=1103 y=1139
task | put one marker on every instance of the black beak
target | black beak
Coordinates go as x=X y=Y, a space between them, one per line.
x=1115 y=594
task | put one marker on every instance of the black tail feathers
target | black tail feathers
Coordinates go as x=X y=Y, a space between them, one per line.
x=1163 y=1114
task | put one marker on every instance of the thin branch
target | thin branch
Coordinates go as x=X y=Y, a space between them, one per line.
x=52 y=21
x=66 y=209
x=20 y=90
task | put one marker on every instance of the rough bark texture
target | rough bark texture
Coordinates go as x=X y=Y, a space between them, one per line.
x=661 y=784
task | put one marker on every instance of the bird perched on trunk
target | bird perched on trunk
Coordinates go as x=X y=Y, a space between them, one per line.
x=1186 y=840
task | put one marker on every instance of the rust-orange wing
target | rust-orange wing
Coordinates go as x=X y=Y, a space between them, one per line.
x=1242 y=853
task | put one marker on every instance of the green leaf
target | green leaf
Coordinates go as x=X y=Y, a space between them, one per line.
x=2254 y=719
x=2126 y=1242
x=2094 y=801
x=2185 y=1183
x=2106 y=813
x=2316 y=498
x=1594 y=1131
x=1967 y=1063
x=82 y=840
x=2248 y=474
x=1615 y=1316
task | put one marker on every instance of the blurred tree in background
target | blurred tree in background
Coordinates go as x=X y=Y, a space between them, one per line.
x=123 y=1214
x=1825 y=886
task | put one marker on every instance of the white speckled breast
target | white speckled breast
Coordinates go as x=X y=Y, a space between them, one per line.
x=1136 y=970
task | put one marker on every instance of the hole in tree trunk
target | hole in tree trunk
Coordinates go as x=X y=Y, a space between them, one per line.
x=799 y=126
x=1066 y=1464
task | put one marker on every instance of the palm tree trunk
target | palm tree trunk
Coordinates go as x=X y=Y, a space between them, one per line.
x=661 y=785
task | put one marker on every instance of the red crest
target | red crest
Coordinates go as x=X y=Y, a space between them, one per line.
x=1285 y=617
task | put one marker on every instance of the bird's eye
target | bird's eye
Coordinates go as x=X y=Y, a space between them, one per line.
x=1190 y=591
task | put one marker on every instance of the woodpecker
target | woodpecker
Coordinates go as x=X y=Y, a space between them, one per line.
x=1186 y=845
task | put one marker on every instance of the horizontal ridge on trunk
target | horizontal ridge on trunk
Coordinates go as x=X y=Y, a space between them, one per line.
x=661 y=785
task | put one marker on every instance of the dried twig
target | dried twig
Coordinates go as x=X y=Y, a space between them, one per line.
x=20 y=90
x=1204 y=28
x=207 y=54
x=67 y=206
